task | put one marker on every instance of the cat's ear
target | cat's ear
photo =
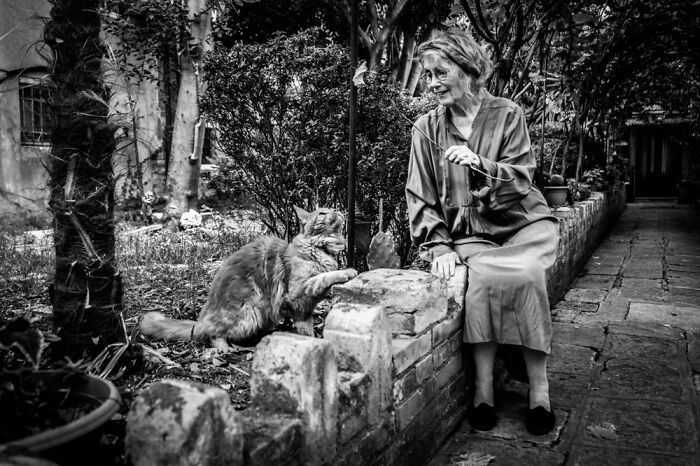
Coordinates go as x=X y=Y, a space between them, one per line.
x=303 y=215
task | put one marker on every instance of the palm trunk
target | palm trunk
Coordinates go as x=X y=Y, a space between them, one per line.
x=87 y=287
x=189 y=129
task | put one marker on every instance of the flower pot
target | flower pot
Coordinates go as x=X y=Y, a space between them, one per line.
x=556 y=195
x=73 y=441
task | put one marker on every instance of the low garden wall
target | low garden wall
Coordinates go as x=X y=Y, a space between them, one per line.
x=386 y=385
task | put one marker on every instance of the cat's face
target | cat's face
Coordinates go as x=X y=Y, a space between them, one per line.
x=326 y=227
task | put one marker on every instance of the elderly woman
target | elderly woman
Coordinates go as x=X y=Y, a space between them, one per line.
x=471 y=201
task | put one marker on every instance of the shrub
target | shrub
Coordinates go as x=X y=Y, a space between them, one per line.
x=281 y=109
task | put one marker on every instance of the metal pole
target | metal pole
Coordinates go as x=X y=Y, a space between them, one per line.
x=352 y=134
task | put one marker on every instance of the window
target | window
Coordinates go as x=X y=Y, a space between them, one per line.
x=35 y=117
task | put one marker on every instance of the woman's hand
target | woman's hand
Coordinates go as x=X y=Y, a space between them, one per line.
x=462 y=155
x=444 y=266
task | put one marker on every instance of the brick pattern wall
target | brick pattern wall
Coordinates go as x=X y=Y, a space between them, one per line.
x=581 y=228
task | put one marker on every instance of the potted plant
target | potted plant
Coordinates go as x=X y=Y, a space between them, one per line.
x=53 y=412
x=596 y=179
x=556 y=191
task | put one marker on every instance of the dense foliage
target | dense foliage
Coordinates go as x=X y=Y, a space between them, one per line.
x=281 y=110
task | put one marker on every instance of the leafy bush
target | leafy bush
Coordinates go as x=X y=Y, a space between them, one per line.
x=281 y=109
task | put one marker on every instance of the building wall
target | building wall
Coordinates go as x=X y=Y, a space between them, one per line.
x=22 y=174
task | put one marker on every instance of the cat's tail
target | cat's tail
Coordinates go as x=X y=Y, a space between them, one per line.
x=156 y=325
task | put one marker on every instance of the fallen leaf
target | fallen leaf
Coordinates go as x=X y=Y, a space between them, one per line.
x=604 y=430
x=475 y=458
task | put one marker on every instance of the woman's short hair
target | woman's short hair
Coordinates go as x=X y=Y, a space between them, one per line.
x=460 y=48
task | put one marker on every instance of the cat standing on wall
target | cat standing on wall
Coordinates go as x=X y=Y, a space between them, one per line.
x=253 y=286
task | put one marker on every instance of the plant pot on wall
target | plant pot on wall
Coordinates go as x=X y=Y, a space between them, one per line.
x=72 y=443
x=556 y=195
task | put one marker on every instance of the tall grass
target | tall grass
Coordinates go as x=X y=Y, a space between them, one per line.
x=26 y=268
x=171 y=272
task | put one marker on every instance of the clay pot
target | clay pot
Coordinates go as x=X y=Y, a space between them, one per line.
x=556 y=195
x=71 y=443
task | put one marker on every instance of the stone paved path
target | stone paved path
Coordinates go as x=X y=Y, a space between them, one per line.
x=625 y=370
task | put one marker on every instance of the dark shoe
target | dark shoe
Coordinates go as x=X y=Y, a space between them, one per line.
x=539 y=421
x=483 y=417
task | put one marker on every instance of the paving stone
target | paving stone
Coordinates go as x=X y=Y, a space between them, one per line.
x=613 y=308
x=600 y=269
x=577 y=306
x=586 y=295
x=676 y=316
x=648 y=329
x=631 y=346
x=564 y=315
x=644 y=268
x=680 y=295
x=676 y=269
x=644 y=424
x=579 y=335
x=566 y=391
x=683 y=259
x=466 y=450
x=685 y=279
x=642 y=289
x=636 y=377
x=694 y=350
x=570 y=359
x=584 y=455
x=593 y=281
x=602 y=257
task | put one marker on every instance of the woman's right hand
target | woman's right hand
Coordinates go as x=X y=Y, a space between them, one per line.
x=444 y=266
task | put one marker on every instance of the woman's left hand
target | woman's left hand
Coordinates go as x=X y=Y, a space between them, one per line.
x=462 y=155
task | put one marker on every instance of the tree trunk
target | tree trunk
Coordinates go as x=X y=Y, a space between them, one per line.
x=189 y=127
x=406 y=60
x=86 y=295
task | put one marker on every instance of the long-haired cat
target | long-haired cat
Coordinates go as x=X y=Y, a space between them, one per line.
x=263 y=279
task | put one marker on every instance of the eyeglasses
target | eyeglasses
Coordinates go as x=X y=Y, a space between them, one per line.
x=440 y=76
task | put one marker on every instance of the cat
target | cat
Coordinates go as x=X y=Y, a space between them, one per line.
x=262 y=281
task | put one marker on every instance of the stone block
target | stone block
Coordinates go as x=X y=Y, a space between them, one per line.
x=353 y=394
x=418 y=299
x=174 y=422
x=405 y=385
x=270 y=438
x=406 y=411
x=445 y=351
x=293 y=373
x=364 y=450
x=449 y=371
x=424 y=368
x=361 y=338
x=408 y=351
x=443 y=330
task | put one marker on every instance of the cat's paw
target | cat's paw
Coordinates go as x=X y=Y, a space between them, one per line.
x=349 y=274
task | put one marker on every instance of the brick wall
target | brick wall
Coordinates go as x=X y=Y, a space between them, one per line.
x=387 y=383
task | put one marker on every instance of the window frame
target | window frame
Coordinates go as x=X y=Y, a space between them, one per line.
x=34 y=112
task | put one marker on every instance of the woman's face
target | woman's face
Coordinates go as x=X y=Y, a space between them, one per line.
x=444 y=79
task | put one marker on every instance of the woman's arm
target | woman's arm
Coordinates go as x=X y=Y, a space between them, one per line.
x=513 y=170
x=426 y=220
